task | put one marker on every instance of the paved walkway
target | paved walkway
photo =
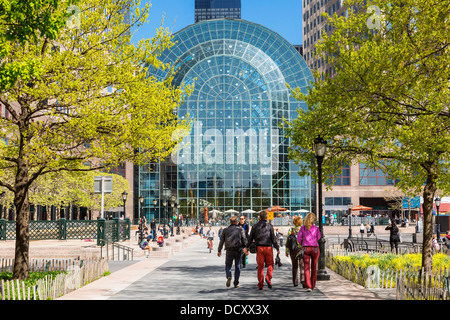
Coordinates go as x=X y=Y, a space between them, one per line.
x=195 y=274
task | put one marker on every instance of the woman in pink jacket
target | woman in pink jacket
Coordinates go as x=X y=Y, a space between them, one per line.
x=308 y=237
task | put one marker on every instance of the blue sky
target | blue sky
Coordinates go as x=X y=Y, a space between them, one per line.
x=281 y=16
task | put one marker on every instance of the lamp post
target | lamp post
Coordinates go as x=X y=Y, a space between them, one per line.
x=141 y=235
x=349 y=206
x=172 y=204
x=437 y=202
x=155 y=202
x=165 y=218
x=124 y=198
x=320 y=147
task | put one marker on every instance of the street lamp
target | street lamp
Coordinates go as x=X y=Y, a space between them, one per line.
x=155 y=202
x=437 y=202
x=124 y=198
x=320 y=147
x=141 y=233
x=172 y=204
x=349 y=206
x=165 y=218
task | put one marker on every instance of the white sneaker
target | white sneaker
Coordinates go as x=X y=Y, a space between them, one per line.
x=309 y=289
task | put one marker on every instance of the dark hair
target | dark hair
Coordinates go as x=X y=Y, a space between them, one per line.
x=233 y=220
x=263 y=215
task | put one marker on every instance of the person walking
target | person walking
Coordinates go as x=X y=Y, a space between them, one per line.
x=244 y=225
x=233 y=237
x=297 y=264
x=393 y=237
x=153 y=228
x=263 y=235
x=308 y=237
x=361 y=229
x=210 y=234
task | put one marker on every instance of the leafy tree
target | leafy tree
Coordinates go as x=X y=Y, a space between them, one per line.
x=23 y=21
x=388 y=104
x=91 y=101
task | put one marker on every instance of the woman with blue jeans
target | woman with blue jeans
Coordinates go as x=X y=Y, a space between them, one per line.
x=308 y=237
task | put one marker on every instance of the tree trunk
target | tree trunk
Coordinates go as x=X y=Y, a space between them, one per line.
x=428 y=197
x=22 y=206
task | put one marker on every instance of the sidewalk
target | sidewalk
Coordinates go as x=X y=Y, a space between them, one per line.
x=126 y=277
x=133 y=281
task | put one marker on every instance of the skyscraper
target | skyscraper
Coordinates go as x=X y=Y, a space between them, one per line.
x=314 y=26
x=217 y=9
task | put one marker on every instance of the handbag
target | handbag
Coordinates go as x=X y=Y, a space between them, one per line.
x=252 y=247
x=278 y=260
x=301 y=252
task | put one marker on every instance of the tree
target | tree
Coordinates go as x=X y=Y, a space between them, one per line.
x=23 y=21
x=388 y=104
x=92 y=101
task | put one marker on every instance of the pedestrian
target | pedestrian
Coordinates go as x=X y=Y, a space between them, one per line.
x=297 y=264
x=233 y=237
x=263 y=235
x=361 y=229
x=372 y=228
x=436 y=246
x=220 y=232
x=308 y=237
x=201 y=231
x=244 y=225
x=393 y=237
x=153 y=228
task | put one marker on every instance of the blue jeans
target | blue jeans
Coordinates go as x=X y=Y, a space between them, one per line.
x=233 y=256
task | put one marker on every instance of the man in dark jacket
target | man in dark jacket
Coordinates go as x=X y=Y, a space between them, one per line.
x=246 y=228
x=235 y=241
x=263 y=235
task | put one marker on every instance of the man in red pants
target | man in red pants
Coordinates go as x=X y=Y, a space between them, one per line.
x=265 y=240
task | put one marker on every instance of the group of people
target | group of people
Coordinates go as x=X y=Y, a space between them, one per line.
x=239 y=241
x=370 y=229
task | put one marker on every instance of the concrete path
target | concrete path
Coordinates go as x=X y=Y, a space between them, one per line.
x=196 y=274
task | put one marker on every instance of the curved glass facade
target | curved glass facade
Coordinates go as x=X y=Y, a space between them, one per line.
x=235 y=156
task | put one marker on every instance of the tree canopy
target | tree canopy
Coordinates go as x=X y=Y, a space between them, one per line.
x=90 y=101
x=388 y=103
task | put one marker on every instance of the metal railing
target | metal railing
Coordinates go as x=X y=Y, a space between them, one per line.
x=124 y=253
x=114 y=230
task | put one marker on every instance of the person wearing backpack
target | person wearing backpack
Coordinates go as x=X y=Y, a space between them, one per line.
x=292 y=250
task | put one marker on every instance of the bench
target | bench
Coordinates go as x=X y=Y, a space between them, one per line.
x=377 y=245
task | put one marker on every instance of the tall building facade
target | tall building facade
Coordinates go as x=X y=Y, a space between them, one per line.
x=357 y=184
x=314 y=25
x=235 y=156
x=217 y=9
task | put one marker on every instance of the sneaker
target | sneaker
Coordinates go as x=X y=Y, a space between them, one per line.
x=236 y=286
x=308 y=289
x=268 y=283
x=228 y=281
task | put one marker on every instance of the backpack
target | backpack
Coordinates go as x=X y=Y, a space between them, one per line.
x=291 y=242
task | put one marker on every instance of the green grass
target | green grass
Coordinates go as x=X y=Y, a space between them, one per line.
x=33 y=277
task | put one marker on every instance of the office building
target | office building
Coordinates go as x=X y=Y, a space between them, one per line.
x=217 y=9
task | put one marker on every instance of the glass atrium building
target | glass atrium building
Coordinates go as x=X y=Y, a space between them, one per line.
x=235 y=156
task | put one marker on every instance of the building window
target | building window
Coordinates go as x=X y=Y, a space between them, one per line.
x=337 y=201
x=373 y=177
x=342 y=179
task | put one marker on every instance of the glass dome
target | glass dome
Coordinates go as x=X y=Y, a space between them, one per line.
x=236 y=154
